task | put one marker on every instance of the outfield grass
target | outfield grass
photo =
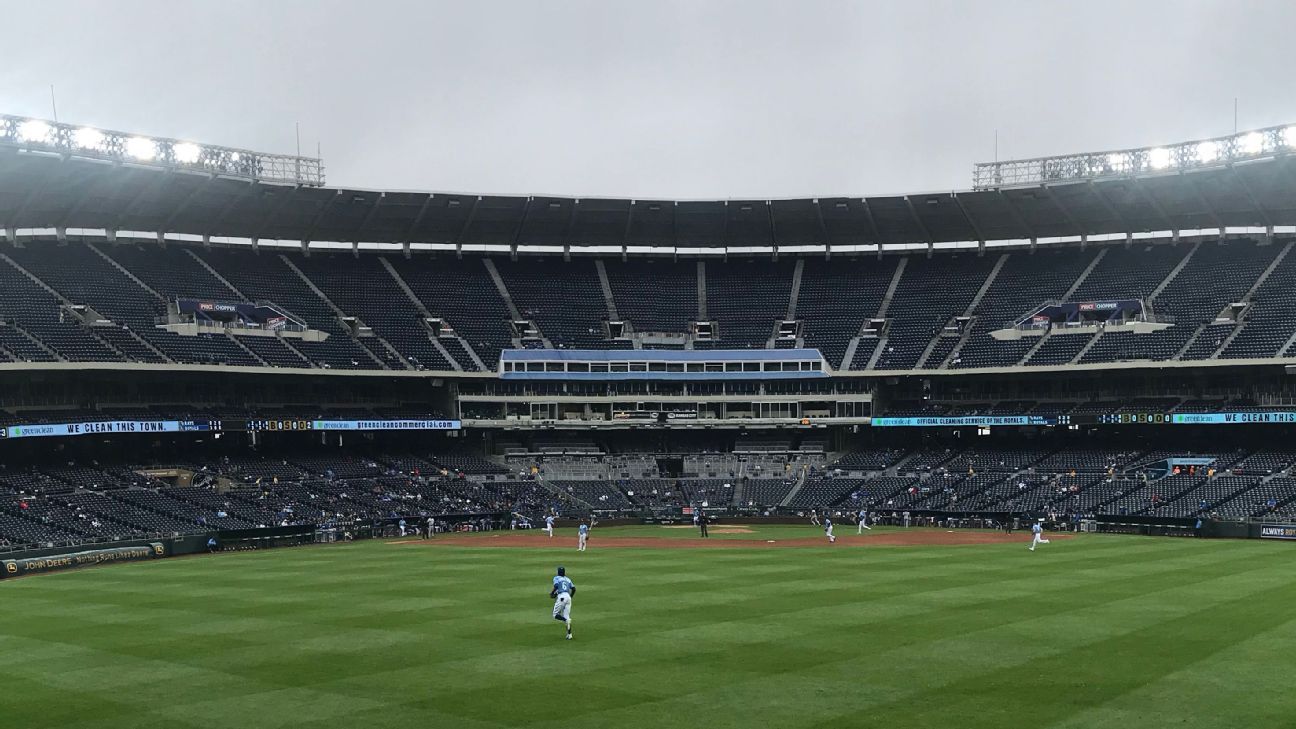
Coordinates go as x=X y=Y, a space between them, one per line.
x=1099 y=631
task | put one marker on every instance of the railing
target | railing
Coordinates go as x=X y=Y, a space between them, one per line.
x=93 y=541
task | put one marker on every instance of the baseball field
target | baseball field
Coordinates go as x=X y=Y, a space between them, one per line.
x=767 y=627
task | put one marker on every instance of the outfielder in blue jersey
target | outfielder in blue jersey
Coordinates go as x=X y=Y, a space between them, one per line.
x=827 y=527
x=582 y=535
x=1037 y=532
x=563 y=589
x=549 y=521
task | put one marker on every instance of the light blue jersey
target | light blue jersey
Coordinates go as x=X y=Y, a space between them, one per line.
x=549 y=521
x=827 y=523
x=584 y=529
x=562 y=585
x=1036 y=528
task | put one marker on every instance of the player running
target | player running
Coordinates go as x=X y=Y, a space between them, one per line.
x=562 y=592
x=549 y=521
x=863 y=521
x=827 y=527
x=1037 y=530
x=582 y=534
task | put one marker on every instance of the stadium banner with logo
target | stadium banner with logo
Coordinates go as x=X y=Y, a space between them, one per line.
x=385 y=425
x=1275 y=531
x=101 y=427
x=57 y=562
x=1260 y=416
x=961 y=421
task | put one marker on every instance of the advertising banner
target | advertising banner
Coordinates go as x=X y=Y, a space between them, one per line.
x=1278 y=531
x=1272 y=416
x=385 y=425
x=102 y=427
x=54 y=563
x=969 y=420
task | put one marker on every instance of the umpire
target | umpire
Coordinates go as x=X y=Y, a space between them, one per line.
x=702 y=521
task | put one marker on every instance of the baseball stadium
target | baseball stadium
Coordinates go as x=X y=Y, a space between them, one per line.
x=280 y=453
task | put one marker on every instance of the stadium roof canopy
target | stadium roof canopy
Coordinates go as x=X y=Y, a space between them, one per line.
x=42 y=192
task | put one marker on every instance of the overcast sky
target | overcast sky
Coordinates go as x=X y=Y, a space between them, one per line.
x=690 y=99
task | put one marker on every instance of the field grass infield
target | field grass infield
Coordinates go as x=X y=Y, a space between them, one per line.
x=1094 y=631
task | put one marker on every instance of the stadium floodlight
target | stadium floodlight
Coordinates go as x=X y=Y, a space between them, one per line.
x=186 y=152
x=87 y=138
x=1252 y=145
x=141 y=148
x=34 y=130
x=39 y=136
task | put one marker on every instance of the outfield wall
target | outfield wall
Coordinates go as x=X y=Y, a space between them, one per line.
x=85 y=558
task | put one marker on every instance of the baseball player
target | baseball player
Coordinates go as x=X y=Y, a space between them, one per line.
x=431 y=527
x=1037 y=532
x=814 y=517
x=562 y=592
x=863 y=521
x=827 y=527
x=549 y=520
x=582 y=534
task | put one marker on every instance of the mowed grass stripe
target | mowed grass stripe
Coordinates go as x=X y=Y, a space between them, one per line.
x=1248 y=681
x=888 y=655
x=383 y=635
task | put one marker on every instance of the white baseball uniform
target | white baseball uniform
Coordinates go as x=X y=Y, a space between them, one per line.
x=1037 y=536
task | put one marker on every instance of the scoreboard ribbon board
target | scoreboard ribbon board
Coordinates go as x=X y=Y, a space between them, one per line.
x=116 y=427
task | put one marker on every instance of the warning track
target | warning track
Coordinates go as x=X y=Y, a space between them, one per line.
x=911 y=538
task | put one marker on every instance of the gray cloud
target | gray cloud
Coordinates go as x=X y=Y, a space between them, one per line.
x=684 y=99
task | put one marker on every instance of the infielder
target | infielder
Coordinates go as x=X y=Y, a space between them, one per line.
x=863 y=521
x=549 y=520
x=827 y=526
x=562 y=592
x=582 y=534
x=1037 y=530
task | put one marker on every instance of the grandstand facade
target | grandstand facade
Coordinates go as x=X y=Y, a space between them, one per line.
x=1201 y=302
